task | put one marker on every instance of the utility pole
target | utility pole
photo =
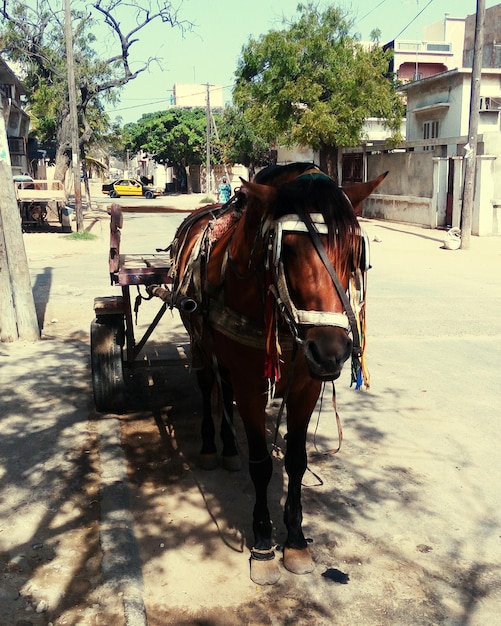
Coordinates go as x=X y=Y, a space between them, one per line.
x=72 y=98
x=470 y=158
x=208 y=134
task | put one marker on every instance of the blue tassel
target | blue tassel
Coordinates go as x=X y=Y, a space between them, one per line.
x=359 y=379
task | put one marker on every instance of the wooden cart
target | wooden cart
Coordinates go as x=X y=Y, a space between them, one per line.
x=114 y=348
x=33 y=197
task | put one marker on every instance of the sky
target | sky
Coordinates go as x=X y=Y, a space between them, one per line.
x=209 y=53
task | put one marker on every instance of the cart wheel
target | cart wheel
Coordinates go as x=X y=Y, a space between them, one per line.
x=106 y=347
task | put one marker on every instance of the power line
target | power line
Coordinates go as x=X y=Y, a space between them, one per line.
x=371 y=11
x=147 y=102
x=413 y=20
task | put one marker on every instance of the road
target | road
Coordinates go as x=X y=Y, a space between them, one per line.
x=408 y=514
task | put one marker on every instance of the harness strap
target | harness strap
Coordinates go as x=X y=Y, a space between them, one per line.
x=319 y=247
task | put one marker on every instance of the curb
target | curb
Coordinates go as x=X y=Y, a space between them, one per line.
x=121 y=564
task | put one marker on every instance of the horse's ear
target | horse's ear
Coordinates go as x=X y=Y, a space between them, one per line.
x=256 y=196
x=359 y=191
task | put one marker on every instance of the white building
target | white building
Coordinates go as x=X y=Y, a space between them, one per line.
x=195 y=95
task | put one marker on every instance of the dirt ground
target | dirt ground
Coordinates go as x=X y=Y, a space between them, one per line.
x=404 y=522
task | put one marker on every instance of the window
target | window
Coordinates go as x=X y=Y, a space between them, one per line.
x=439 y=47
x=430 y=131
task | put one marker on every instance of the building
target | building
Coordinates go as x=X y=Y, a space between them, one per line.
x=440 y=49
x=438 y=110
x=491 y=53
x=17 y=121
x=195 y=95
x=425 y=184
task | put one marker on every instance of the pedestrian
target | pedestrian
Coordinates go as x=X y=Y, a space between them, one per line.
x=224 y=191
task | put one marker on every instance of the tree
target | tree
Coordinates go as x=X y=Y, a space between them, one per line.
x=35 y=38
x=18 y=318
x=176 y=136
x=240 y=142
x=312 y=84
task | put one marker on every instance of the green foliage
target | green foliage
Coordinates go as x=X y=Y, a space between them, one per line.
x=313 y=84
x=35 y=39
x=240 y=141
x=174 y=136
x=33 y=34
x=178 y=136
x=83 y=236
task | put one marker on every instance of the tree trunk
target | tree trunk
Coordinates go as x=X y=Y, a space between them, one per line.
x=329 y=161
x=8 y=326
x=86 y=180
x=186 y=167
x=63 y=152
x=16 y=294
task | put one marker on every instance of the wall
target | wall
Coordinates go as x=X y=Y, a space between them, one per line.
x=297 y=153
x=492 y=145
x=406 y=194
x=417 y=189
x=406 y=209
x=410 y=173
x=491 y=54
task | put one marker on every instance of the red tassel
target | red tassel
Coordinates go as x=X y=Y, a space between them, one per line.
x=271 y=362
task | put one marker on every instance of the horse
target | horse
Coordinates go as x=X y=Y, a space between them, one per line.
x=261 y=283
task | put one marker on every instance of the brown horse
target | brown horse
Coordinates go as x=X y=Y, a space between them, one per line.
x=266 y=279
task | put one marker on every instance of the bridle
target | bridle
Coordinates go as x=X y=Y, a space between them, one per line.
x=298 y=319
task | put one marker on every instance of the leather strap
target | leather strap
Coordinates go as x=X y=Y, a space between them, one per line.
x=320 y=248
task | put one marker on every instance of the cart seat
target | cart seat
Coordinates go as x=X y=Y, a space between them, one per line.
x=142 y=269
x=134 y=269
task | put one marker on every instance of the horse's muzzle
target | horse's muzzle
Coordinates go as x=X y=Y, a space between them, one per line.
x=326 y=349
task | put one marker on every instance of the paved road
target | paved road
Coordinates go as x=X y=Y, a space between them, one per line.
x=410 y=510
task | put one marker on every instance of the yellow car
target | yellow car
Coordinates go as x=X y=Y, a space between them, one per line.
x=130 y=187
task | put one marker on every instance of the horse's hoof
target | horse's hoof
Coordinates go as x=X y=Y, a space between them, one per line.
x=232 y=463
x=208 y=461
x=298 y=561
x=264 y=572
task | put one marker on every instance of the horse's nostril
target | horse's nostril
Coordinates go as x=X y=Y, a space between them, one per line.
x=313 y=351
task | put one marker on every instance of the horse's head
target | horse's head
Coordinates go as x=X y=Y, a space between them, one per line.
x=315 y=243
x=317 y=250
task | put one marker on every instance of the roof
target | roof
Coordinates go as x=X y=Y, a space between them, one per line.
x=8 y=77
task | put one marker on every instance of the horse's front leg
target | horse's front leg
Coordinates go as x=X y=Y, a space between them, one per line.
x=297 y=557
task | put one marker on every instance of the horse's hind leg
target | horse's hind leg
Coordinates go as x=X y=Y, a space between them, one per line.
x=208 y=453
x=231 y=459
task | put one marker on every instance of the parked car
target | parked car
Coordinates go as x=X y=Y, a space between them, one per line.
x=130 y=187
